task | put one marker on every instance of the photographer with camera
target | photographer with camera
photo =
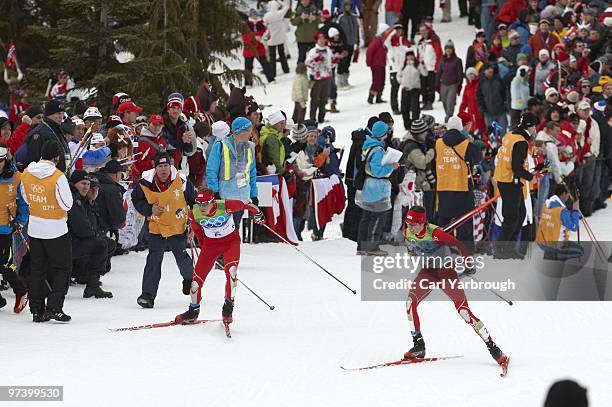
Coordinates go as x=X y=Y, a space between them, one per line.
x=418 y=156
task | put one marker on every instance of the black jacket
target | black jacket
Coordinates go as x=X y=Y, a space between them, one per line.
x=139 y=200
x=358 y=137
x=82 y=218
x=110 y=203
x=491 y=95
x=39 y=135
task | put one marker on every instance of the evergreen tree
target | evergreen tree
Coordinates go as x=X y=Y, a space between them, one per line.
x=85 y=39
x=196 y=37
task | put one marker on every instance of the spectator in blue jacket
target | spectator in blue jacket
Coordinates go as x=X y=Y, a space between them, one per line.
x=356 y=7
x=375 y=196
x=230 y=170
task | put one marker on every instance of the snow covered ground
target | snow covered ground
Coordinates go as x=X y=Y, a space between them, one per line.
x=292 y=355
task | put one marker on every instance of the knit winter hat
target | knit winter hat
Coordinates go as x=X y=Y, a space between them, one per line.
x=418 y=126
x=92 y=111
x=241 y=124
x=78 y=176
x=528 y=119
x=471 y=71
x=521 y=57
x=161 y=157
x=550 y=91
x=175 y=99
x=572 y=97
x=97 y=138
x=332 y=32
x=583 y=105
x=449 y=44
x=220 y=129
x=600 y=105
x=33 y=110
x=562 y=56
x=276 y=117
x=543 y=52
x=454 y=123
x=53 y=106
x=566 y=393
x=299 y=132
x=379 y=130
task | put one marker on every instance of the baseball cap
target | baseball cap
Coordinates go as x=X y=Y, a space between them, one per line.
x=161 y=157
x=155 y=118
x=128 y=106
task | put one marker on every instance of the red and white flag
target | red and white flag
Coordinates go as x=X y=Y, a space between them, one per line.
x=279 y=216
x=11 y=56
x=328 y=198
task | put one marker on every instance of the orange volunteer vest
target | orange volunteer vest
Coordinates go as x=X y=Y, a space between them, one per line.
x=40 y=194
x=452 y=172
x=503 y=169
x=174 y=220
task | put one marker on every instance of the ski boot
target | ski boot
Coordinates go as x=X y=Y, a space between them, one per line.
x=418 y=350
x=226 y=312
x=20 y=303
x=498 y=356
x=189 y=316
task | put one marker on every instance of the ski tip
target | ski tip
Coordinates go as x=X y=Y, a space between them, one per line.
x=272 y=308
x=505 y=368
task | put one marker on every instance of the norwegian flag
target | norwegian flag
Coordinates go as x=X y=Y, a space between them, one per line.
x=279 y=216
x=11 y=56
x=328 y=199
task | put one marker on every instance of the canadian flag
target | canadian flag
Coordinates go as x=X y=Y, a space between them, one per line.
x=279 y=216
x=328 y=198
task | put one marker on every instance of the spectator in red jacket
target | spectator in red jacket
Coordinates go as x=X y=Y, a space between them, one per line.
x=543 y=38
x=393 y=11
x=376 y=59
x=509 y=12
x=253 y=46
x=469 y=104
x=150 y=142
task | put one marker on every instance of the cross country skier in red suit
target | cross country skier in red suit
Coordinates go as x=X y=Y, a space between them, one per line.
x=213 y=225
x=432 y=241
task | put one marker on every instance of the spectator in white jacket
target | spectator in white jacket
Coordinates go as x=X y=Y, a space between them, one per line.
x=396 y=45
x=519 y=94
x=320 y=62
x=588 y=145
x=274 y=20
x=548 y=138
x=409 y=79
x=428 y=61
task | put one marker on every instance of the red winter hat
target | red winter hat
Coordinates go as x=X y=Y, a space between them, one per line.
x=319 y=34
x=191 y=105
x=155 y=118
x=416 y=217
x=563 y=56
x=325 y=14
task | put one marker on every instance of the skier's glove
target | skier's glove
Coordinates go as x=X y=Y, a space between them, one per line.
x=259 y=218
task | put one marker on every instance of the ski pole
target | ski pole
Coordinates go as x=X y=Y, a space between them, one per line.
x=468 y=215
x=309 y=258
x=598 y=248
x=84 y=141
x=494 y=292
x=240 y=281
x=255 y=294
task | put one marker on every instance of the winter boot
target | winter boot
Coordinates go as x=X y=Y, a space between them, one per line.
x=58 y=315
x=189 y=316
x=226 y=312
x=146 y=300
x=187 y=287
x=427 y=106
x=379 y=98
x=496 y=353
x=332 y=107
x=20 y=303
x=2 y=301
x=93 y=288
x=418 y=350
x=39 y=316
x=371 y=97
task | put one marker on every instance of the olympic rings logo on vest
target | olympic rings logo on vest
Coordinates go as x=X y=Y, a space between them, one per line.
x=38 y=189
x=215 y=222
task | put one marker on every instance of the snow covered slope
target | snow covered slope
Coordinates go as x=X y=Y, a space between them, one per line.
x=292 y=355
